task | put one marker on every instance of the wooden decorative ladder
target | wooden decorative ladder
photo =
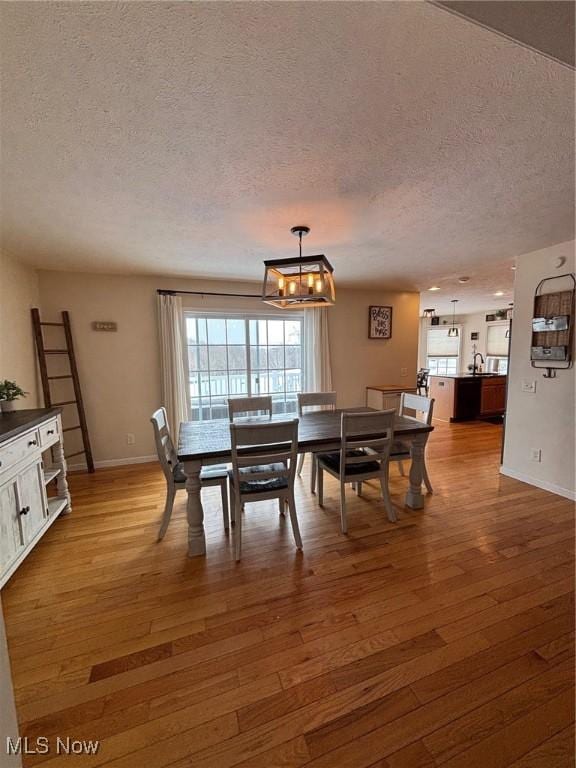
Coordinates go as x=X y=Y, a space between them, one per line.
x=68 y=350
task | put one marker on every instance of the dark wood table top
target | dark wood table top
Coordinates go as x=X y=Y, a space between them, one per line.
x=199 y=440
x=14 y=423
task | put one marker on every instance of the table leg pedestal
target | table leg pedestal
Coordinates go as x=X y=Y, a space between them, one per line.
x=414 y=497
x=194 y=510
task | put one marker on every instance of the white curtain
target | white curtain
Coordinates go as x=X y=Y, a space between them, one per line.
x=317 y=366
x=172 y=373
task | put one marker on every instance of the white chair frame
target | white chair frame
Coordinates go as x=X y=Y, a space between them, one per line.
x=264 y=446
x=324 y=400
x=261 y=404
x=372 y=433
x=424 y=406
x=168 y=458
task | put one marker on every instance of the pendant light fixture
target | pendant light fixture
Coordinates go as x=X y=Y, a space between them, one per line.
x=453 y=331
x=429 y=312
x=301 y=282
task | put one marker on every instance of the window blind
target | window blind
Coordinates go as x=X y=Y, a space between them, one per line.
x=496 y=341
x=440 y=344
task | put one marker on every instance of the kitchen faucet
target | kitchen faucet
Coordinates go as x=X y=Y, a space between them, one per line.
x=474 y=366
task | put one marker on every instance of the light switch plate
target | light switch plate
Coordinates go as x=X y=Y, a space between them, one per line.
x=528 y=386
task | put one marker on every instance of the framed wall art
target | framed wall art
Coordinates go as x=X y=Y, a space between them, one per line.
x=379 y=322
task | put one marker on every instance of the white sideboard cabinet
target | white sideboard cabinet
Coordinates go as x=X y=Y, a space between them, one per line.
x=31 y=456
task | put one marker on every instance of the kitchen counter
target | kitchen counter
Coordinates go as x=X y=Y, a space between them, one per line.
x=462 y=397
x=467 y=376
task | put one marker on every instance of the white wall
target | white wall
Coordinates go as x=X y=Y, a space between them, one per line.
x=544 y=420
x=8 y=721
x=18 y=294
x=120 y=371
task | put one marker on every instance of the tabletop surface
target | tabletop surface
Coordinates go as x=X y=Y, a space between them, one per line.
x=211 y=439
x=14 y=423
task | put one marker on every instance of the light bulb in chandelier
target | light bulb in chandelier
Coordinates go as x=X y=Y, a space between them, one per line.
x=301 y=282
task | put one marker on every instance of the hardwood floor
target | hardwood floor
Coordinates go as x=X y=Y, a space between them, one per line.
x=445 y=639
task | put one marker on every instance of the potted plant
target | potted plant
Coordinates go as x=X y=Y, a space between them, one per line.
x=9 y=393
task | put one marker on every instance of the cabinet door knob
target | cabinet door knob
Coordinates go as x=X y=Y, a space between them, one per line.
x=50 y=432
x=24 y=510
x=32 y=442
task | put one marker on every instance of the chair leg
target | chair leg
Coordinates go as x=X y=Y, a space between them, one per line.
x=232 y=504
x=238 y=532
x=167 y=514
x=320 y=486
x=401 y=468
x=425 y=478
x=224 y=495
x=300 y=464
x=343 y=518
x=313 y=473
x=294 y=521
x=281 y=505
x=386 y=496
x=359 y=489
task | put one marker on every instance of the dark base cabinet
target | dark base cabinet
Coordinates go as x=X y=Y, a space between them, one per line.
x=493 y=396
x=464 y=398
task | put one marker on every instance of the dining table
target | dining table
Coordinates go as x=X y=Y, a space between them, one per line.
x=202 y=443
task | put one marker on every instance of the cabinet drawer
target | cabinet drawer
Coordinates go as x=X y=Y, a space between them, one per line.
x=49 y=433
x=12 y=453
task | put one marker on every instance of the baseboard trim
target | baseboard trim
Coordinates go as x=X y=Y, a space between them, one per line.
x=114 y=462
x=545 y=486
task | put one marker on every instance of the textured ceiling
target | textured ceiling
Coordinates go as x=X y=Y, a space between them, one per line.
x=186 y=139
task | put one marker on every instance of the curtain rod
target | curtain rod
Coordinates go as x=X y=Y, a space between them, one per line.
x=164 y=292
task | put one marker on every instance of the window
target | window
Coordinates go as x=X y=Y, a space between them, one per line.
x=497 y=348
x=240 y=356
x=442 y=352
x=443 y=366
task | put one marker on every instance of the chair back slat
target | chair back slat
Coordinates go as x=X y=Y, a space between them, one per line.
x=167 y=455
x=249 y=406
x=372 y=433
x=418 y=404
x=264 y=444
x=316 y=400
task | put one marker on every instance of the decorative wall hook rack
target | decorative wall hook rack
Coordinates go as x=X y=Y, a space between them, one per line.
x=553 y=325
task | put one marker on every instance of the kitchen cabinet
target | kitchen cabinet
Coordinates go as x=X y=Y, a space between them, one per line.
x=467 y=397
x=31 y=456
x=493 y=396
x=385 y=396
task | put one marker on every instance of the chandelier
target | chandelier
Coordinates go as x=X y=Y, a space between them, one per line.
x=301 y=282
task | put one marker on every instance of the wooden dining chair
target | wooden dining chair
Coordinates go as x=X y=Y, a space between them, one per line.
x=264 y=457
x=366 y=440
x=306 y=400
x=174 y=471
x=422 y=408
x=260 y=405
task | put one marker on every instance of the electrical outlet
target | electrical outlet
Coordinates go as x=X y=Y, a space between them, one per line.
x=130 y=439
x=536 y=455
x=403 y=371
x=528 y=386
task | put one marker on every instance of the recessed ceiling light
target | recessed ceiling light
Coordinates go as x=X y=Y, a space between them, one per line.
x=434 y=288
x=463 y=279
x=499 y=293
